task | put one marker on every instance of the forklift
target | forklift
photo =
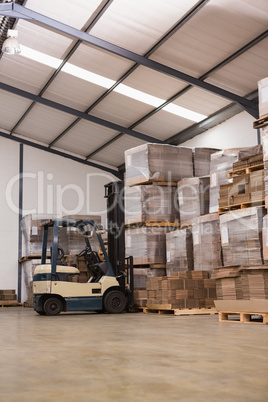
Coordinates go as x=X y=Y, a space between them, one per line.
x=110 y=286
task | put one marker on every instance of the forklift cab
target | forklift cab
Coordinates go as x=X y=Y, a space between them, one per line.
x=55 y=286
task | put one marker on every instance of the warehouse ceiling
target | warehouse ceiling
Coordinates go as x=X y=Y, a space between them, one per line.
x=97 y=77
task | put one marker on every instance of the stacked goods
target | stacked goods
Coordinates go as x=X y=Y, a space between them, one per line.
x=220 y=164
x=32 y=234
x=255 y=283
x=8 y=296
x=157 y=163
x=241 y=236
x=241 y=282
x=263 y=100
x=179 y=248
x=150 y=204
x=80 y=264
x=228 y=283
x=206 y=242
x=141 y=275
x=28 y=266
x=72 y=240
x=189 y=290
x=263 y=112
x=193 y=197
x=147 y=245
x=265 y=238
x=140 y=297
x=201 y=157
x=248 y=180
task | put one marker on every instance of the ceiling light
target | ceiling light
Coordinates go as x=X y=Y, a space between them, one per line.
x=11 y=44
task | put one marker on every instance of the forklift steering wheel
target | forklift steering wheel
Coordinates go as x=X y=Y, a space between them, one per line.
x=83 y=252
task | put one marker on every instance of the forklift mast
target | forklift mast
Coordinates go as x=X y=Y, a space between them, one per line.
x=114 y=193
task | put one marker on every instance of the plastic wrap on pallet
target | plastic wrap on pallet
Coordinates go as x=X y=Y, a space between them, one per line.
x=193 y=197
x=265 y=238
x=201 y=157
x=179 y=247
x=72 y=240
x=241 y=236
x=157 y=162
x=28 y=268
x=32 y=234
x=146 y=203
x=141 y=275
x=147 y=245
x=220 y=163
x=206 y=242
x=263 y=97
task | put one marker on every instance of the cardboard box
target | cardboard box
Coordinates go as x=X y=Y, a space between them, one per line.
x=147 y=203
x=201 y=157
x=243 y=306
x=263 y=97
x=179 y=251
x=193 y=198
x=157 y=163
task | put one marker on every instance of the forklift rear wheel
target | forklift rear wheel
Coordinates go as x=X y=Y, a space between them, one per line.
x=53 y=306
x=115 y=302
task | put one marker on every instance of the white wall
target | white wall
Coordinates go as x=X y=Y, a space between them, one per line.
x=9 y=167
x=52 y=185
x=233 y=133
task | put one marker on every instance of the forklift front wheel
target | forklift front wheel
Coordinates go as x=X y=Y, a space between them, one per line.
x=53 y=306
x=115 y=302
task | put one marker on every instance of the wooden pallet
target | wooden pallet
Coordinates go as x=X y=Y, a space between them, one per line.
x=10 y=303
x=223 y=210
x=262 y=122
x=245 y=170
x=244 y=318
x=161 y=309
x=32 y=257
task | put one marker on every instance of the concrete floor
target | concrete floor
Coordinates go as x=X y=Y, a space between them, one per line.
x=130 y=357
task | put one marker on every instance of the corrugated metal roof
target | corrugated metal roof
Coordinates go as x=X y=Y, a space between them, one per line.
x=219 y=42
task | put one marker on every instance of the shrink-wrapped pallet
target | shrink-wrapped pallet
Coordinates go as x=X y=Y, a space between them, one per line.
x=157 y=163
x=220 y=164
x=179 y=247
x=263 y=97
x=149 y=203
x=147 y=245
x=201 y=157
x=73 y=241
x=193 y=198
x=206 y=242
x=32 y=234
x=265 y=238
x=241 y=232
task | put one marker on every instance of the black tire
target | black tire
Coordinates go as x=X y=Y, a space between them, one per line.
x=114 y=302
x=53 y=306
x=41 y=312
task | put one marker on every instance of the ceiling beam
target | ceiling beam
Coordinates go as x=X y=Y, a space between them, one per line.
x=16 y=11
x=220 y=65
x=75 y=112
x=32 y=144
x=159 y=43
x=57 y=71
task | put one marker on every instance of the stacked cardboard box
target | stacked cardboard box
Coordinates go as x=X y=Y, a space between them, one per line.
x=228 y=283
x=32 y=234
x=241 y=236
x=265 y=239
x=220 y=164
x=263 y=99
x=179 y=248
x=193 y=198
x=80 y=264
x=149 y=203
x=189 y=290
x=147 y=245
x=157 y=163
x=201 y=157
x=140 y=297
x=72 y=240
x=246 y=187
x=241 y=282
x=8 y=295
x=206 y=242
